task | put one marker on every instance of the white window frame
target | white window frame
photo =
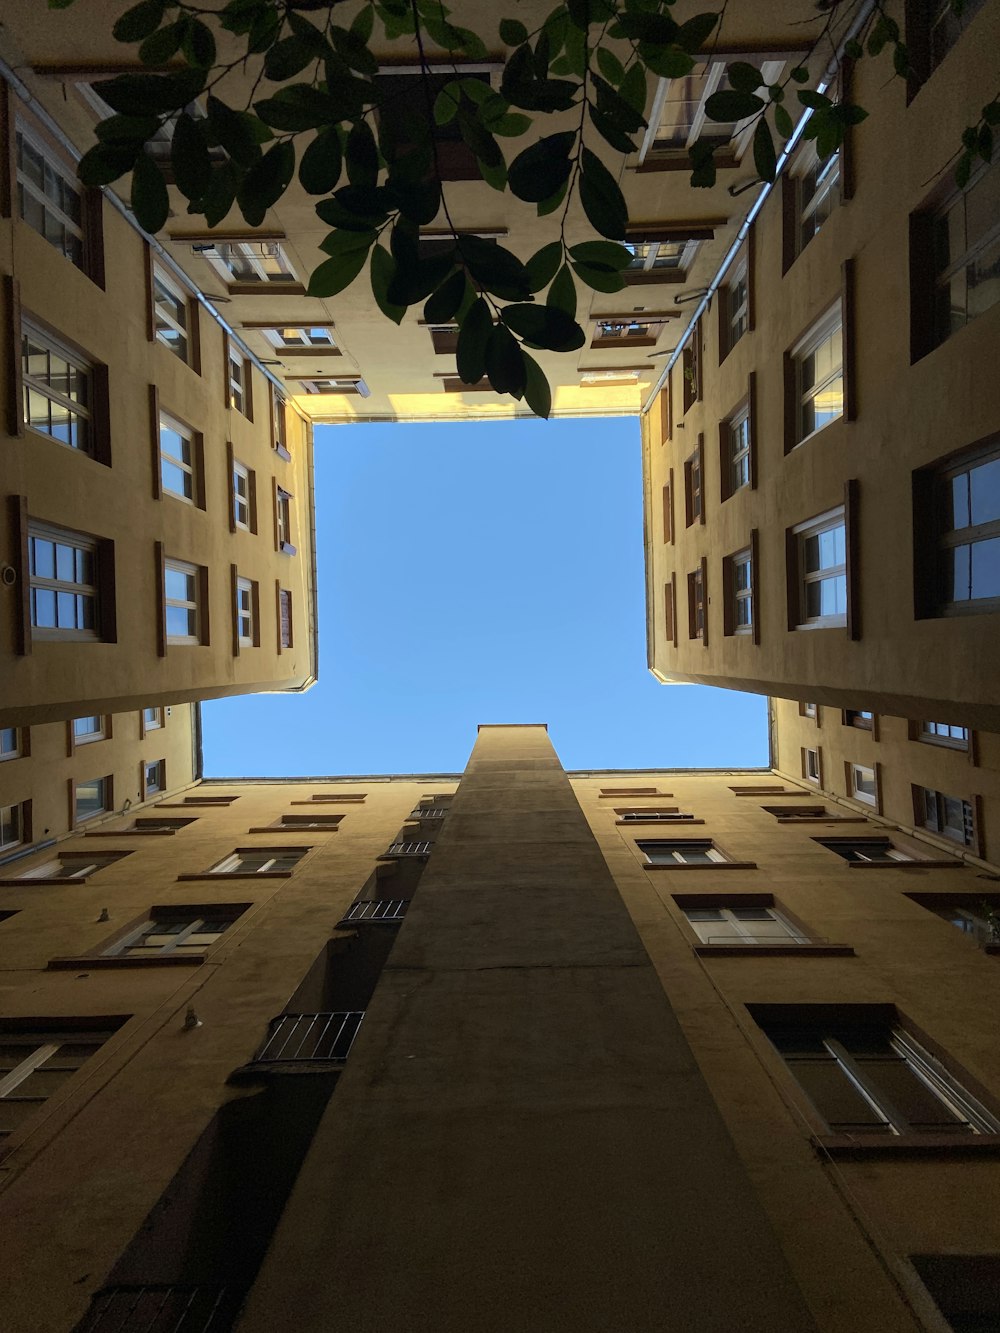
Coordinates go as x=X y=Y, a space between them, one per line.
x=105 y=807
x=943 y=733
x=738 y=133
x=70 y=226
x=817 y=193
x=245 y=626
x=858 y=777
x=283 y=518
x=38 y=1051
x=152 y=718
x=80 y=409
x=273 y=860
x=740 y=445
x=969 y=535
x=193 y=571
x=250 y=258
x=285 y=601
x=742 y=597
x=335 y=384
x=86 y=592
x=812 y=764
x=935 y=816
x=676 y=852
x=786 y=934
x=172 y=319
x=237 y=371
x=98 y=733
x=241 y=496
x=10 y=743
x=809 y=710
x=158 y=783
x=959 y=263
x=279 y=421
x=811 y=341
x=307 y=343
x=193 y=926
x=11 y=825
x=815 y=527
x=70 y=865
x=737 y=312
x=681 y=261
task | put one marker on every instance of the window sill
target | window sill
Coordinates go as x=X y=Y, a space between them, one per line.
x=30 y=881
x=828 y=622
x=712 y=865
x=282 y=452
x=807 y=439
x=928 y=863
x=823 y=819
x=918 y=1145
x=286 y=548
x=167 y=960
x=237 y=874
x=775 y=950
x=292 y=828
x=664 y=823
x=132 y=832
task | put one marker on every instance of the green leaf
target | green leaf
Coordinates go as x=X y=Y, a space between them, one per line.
x=783 y=122
x=776 y=92
x=602 y=200
x=494 y=268
x=352 y=48
x=544 y=265
x=127 y=129
x=542 y=168
x=549 y=205
x=512 y=32
x=693 y=34
x=817 y=101
x=480 y=140
x=505 y=361
x=610 y=66
x=633 y=87
x=602 y=254
x=991 y=112
x=537 y=393
x=150 y=201
x=340 y=242
x=233 y=131
x=299 y=107
x=189 y=157
x=670 y=62
x=600 y=279
x=447 y=102
x=363 y=24
x=703 y=170
x=288 y=57
x=611 y=103
x=161 y=45
x=139 y=21
x=799 y=74
x=199 y=45
x=494 y=176
x=265 y=182
x=361 y=155
x=853 y=49
x=334 y=275
x=511 y=125
x=473 y=335
x=562 y=294
x=415 y=282
x=418 y=201
x=443 y=305
x=220 y=196
x=764 y=156
x=382 y=273
x=963 y=170
x=336 y=213
x=729 y=106
x=744 y=77
x=609 y=131
x=106 y=162
x=321 y=163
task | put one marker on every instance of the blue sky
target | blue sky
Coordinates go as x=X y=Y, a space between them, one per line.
x=486 y=572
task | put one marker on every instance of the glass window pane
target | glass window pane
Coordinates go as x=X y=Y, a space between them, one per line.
x=837 y=1099
x=986 y=568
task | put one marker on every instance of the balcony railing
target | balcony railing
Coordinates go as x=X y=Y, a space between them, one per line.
x=367 y=910
x=315 y=1038
x=410 y=849
x=155 y=1308
x=421 y=812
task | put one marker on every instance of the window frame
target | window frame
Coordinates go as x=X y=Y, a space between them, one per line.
x=23 y=829
x=163 y=319
x=173 y=565
x=930 y=812
x=105 y=787
x=93 y=590
x=233 y=864
x=246 y=612
x=173 y=425
x=800 y=578
x=829 y=323
x=811 y=764
x=219 y=250
x=946 y=739
x=716 y=857
x=697 y=604
x=283 y=520
x=87 y=258
x=694 y=486
x=89 y=411
x=44 y=1038
x=285 y=603
x=736 y=597
x=19 y=746
x=791 y=936
x=855 y=789
x=193 y=917
x=933 y=539
x=246 y=499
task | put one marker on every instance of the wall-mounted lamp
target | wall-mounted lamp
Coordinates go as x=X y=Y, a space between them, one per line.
x=191 y=1021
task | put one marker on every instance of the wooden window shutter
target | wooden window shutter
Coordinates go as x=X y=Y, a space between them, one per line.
x=154 y=440
x=851 y=520
x=849 y=325
x=752 y=418
x=15 y=379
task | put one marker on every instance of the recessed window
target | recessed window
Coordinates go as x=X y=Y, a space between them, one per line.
x=247 y=632
x=957 y=535
x=10 y=743
x=284 y=618
x=652 y=816
x=732 y=923
x=626 y=331
x=820 y=571
x=154 y=777
x=152 y=718
x=37 y=1057
x=176 y=932
x=818 y=364
x=91 y=728
x=260 y=861
x=691 y=369
x=686 y=851
x=862 y=784
x=300 y=337
x=738 y=592
x=279 y=423
x=808 y=710
x=403 y=106
x=864 y=721
x=177 y=458
x=91 y=798
x=239 y=383
x=975 y=915
x=171 y=315
x=632 y=791
x=159 y=824
x=58 y=386
x=49 y=198
x=964 y=1287
x=62 y=571
x=737 y=445
x=866 y=1075
x=817 y=192
x=866 y=851
x=283 y=521
x=249 y=262
x=734 y=313
x=183 y=601
x=944 y=733
x=331 y=384
x=244 y=495
x=951 y=816
x=693 y=481
x=812 y=765
x=696 y=604
x=15 y=824
x=72 y=865
x=659 y=256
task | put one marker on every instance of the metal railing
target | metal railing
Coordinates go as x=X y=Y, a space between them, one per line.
x=430 y=812
x=325 y=1038
x=156 y=1308
x=409 y=849
x=375 y=909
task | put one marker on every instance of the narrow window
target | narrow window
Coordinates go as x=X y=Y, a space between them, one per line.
x=966 y=553
x=862 y=784
x=738 y=451
x=944 y=733
x=693 y=487
x=812 y=768
x=37 y=1057
x=752 y=926
x=58 y=391
x=63 y=577
x=86 y=729
x=171 y=315
x=246 y=620
x=176 y=932
x=154 y=778
x=735 y=296
x=283 y=520
x=819 y=374
x=686 y=851
x=13 y=826
x=260 y=861
x=951 y=816
x=817 y=192
x=820 y=574
x=48 y=197
x=10 y=743
x=181 y=588
x=242 y=497
x=285 y=617
x=696 y=605
x=249 y=262
x=152 y=718
x=739 y=593
x=91 y=798
x=866 y=851
x=177 y=458
x=239 y=389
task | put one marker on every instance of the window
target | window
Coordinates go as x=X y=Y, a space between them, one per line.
x=284 y=618
x=812 y=765
x=244 y=495
x=964 y=1287
x=965 y=251
x=15 y=825
x=247 y=633
x=691 y=366
x=91 y=798
x=932 y=29
x=865 y=851
x=177 y=459
x=668 y=510
x=735 y=924
x=86 y=729
x=734 y=307
x=248 y=262
x=669 y=613
x=957 y=535
x=72 y=865
x=632 y=791
x=48 y=197
x=820 y=571
x=63 y=574
x=328 y=384
x=818 y=363
x=172 y=315
x=239 y=384
x=944 y=733
x=300 y=338
x=950 y=816
x=152 y=718
x=154 y=777
x=736 y=459
x=738 y=593
x=817 y=192
x=977 y=916
x=651 y=816
x=626 y=331
x=809 y=710
x=862 y=784
x=37 y=1056
x=687 y=852
x=58 y=387
x=11 y=743
x=858 y=718
x=300 y=823
x=279 y=423
x=283 y=521
x=260 y=861
x=696 y=604
x=789 y=813
x=159 y=824
x=176 y=932
x=182 y=593
x=657 y=257
x=694 y=499
x=403 y=105
x=866 y=1075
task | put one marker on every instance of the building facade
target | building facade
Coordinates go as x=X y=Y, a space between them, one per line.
x=513 y=1048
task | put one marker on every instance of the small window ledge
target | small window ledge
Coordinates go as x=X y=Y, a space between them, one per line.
x=935 y=863
x=89 y=964
x=294 y=828
x=903 y=1145
x=33 y=881
x=133 y=832
x=282 y=452
x=823 y=819
x=711 y=865
x=208 y=877
x=663 y=823
x=775 y=950
x=286 y=548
